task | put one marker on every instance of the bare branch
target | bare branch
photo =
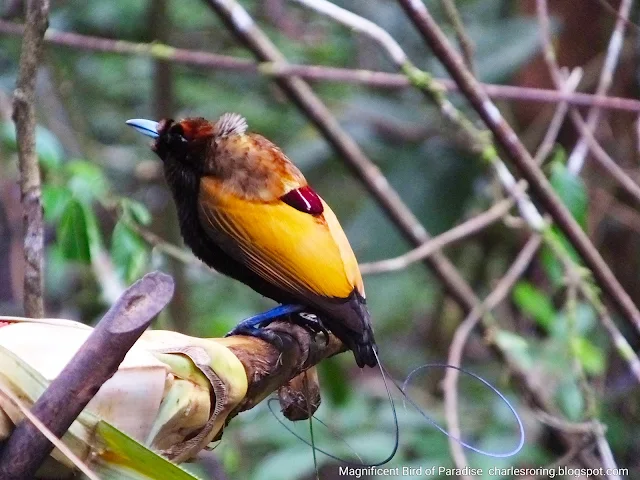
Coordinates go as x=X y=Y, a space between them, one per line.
x=24 y=116
x=311 y=72
x=509 y=141
x=576 y=159
x=463 y=331
x=467 y=47
x=462 y=231
x=599 y=154
x=546 y=146
x=58 y=443
x=94 y=363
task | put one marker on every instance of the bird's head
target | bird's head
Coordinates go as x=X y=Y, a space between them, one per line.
x=191 y=142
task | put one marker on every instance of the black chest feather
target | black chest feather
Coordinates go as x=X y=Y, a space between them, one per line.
x=184 y=186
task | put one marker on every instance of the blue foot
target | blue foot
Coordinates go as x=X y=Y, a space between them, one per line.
x=252 y=325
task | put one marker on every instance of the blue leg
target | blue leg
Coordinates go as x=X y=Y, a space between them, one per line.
x=252 y=325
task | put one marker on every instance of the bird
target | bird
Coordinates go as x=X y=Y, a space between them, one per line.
x=248 y=212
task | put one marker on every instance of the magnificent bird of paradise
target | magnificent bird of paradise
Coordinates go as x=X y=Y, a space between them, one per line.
x=248 y=212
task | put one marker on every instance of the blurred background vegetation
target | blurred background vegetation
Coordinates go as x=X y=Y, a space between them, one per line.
x=103 y=186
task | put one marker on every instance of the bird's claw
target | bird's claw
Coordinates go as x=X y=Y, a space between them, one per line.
x=312 y=324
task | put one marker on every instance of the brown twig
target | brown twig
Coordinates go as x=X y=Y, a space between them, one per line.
x=269 y=368
x=368 y=78
x=24 y=116
x=586 y=134
x=455 y=234
x=576 y=159
x=243 y=26
x=516 y=151
x=616 y=14
x=94 y=363
x=467 y=47
x=463 y=331
x=546 y=146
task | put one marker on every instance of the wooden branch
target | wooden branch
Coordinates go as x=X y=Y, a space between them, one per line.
x=507 y=139
x=94 y=363
x=269 y=368
x=369 y=78
x=24 y=116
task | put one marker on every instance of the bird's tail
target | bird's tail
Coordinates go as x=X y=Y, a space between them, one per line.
x=350 y=321
x=365 y=349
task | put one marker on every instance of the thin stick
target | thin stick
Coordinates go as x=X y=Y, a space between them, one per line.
x=546 y=146
x=599 y=154
x=24 y=116
x=243 y=26
x=467 y=47
x=463 y=331
x=516 y=151
x=368 y=78
x=59 y=444
x=462 y=231
x=576 y=159
x=94 y=363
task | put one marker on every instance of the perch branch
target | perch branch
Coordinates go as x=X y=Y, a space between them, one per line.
x=269 y=368
x=24 y=116
x=368 y=78
x=94 y=363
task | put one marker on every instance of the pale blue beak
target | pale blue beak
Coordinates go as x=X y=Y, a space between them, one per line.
x=145 y=127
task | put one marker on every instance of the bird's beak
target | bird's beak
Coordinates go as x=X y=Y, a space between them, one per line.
x=145 y=127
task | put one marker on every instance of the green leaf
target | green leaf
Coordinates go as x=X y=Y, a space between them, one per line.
x=93 y=230
x=126 y=459
x=49 y=149
x=570 y=399
x=128 y=251
x=86 y=180
x=590 y=356
x=138 y=211
x=72 y=233
x=571 y=190
x=534 y=303
x=54 y=201
x=552 y=266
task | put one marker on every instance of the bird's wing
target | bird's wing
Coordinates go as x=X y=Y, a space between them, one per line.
x=303 y=254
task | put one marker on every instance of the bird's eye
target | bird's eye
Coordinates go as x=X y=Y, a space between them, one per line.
x=176 y=136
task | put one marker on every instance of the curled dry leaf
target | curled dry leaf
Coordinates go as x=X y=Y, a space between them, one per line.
x=172 y=393
x=300 y=398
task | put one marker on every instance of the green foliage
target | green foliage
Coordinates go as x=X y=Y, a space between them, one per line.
x=589 y=355
x=133 y=461
x=571 y=189
x=573 y=193
x=128 y=252
x=48 y=147
x=534 y=303
x=73 y=233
